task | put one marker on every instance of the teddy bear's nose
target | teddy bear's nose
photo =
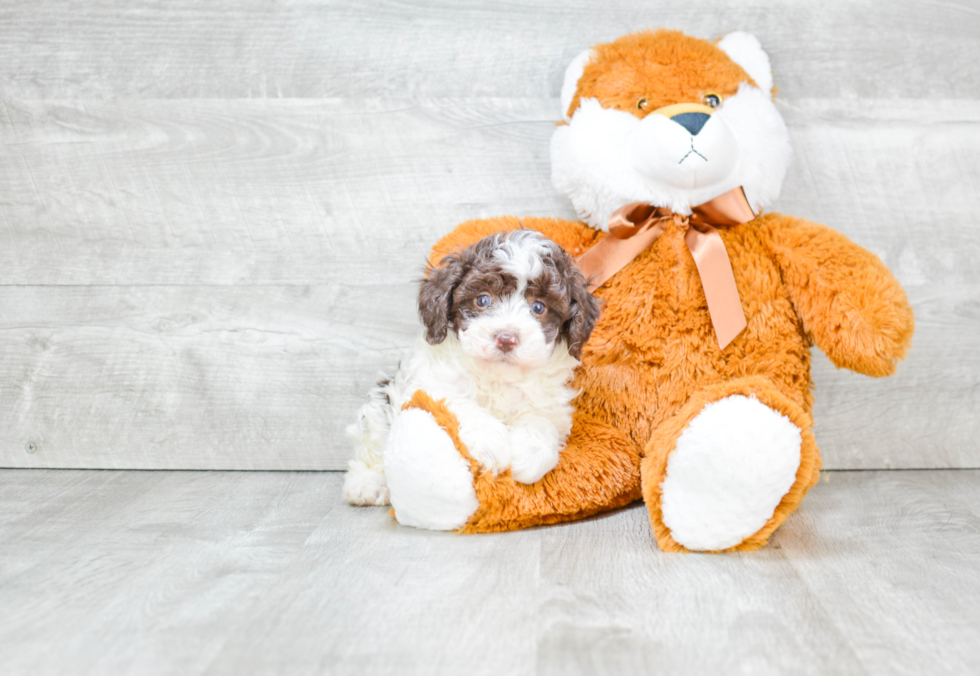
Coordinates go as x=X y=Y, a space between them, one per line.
x=693 y=122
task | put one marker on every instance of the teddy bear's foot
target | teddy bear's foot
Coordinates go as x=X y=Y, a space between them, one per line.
x=737 y=464
x=430 y=483
x=728 y=473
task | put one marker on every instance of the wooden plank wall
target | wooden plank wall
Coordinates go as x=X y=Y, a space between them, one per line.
x=212 y=214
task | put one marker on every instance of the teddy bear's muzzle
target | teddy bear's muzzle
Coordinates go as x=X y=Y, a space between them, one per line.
x=687 y=150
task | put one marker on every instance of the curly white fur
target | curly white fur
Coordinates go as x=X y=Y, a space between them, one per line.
x=514 y=409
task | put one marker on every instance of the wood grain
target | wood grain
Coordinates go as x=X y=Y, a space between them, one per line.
x=103 y=49
x=267 y=377
x=612 y=604
x=211 y=217
x=298 y=192
x=257 y=192
x=154 y=258
x=252 y=573
x=927 y=521
x=122 y=572
x=201 y=377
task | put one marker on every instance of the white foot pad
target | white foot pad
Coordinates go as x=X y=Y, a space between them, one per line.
x=430 y=483
x=731 y=468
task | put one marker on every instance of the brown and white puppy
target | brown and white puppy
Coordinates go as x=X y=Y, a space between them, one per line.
x=505 y=322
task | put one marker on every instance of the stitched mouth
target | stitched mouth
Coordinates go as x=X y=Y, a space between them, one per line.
x=692 y=151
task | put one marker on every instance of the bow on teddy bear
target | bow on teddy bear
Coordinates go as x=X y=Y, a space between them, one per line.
x=636 y=226
x=716 y=438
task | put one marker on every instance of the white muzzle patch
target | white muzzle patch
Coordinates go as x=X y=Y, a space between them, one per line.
x=511 y=316
x=664 y=151
x=606 y=158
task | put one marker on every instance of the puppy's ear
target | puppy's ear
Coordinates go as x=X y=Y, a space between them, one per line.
x=583 y=309
x=436 y=297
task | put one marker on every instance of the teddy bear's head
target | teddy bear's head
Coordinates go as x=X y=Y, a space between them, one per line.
x=664 y=118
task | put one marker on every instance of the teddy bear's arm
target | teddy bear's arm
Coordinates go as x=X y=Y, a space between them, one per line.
x=571 y=236
x=437 y=484
x=851 y=305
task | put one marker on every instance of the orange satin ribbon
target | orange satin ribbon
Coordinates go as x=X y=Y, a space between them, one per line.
x=636 y=226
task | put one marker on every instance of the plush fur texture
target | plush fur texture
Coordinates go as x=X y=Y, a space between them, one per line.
x=730 y=468
x=602 y=474
x=431 y=483
x=745 y=50
x=614 y=151
x=504 y=322
x=653 y=381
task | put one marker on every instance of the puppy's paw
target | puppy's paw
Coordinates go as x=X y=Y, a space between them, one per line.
x=487 y=440
x=364 y=486
x=533 y=455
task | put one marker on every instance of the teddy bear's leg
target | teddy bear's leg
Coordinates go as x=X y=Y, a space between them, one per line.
x=425 y=461
x=597 y=471
x=728 y=468
x=429 y=481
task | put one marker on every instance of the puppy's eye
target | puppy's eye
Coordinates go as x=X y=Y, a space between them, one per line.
x=641 y=104
x=483 y=301
x=538 y=308
x=712 y=100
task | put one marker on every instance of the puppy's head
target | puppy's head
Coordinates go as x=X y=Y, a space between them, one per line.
x=511 y=298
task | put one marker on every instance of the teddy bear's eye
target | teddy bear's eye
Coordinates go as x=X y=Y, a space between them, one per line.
x=641 y=104
x=712 y=100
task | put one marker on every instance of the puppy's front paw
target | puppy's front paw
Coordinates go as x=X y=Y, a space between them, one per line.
x=364 y=486
x=533 y=456
x=487 y=440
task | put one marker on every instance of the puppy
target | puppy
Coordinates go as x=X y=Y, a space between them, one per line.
x=505 y=323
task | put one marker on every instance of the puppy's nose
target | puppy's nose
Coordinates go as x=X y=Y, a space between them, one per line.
x=506 y=341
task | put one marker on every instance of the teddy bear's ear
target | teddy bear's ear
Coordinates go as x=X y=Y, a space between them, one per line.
x=745 y=50
x=570 y=84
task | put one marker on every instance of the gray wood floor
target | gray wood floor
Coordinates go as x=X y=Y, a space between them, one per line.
x=211 y=217
x=130 y=572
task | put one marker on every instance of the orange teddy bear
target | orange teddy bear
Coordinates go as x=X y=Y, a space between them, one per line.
x=695 y=399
